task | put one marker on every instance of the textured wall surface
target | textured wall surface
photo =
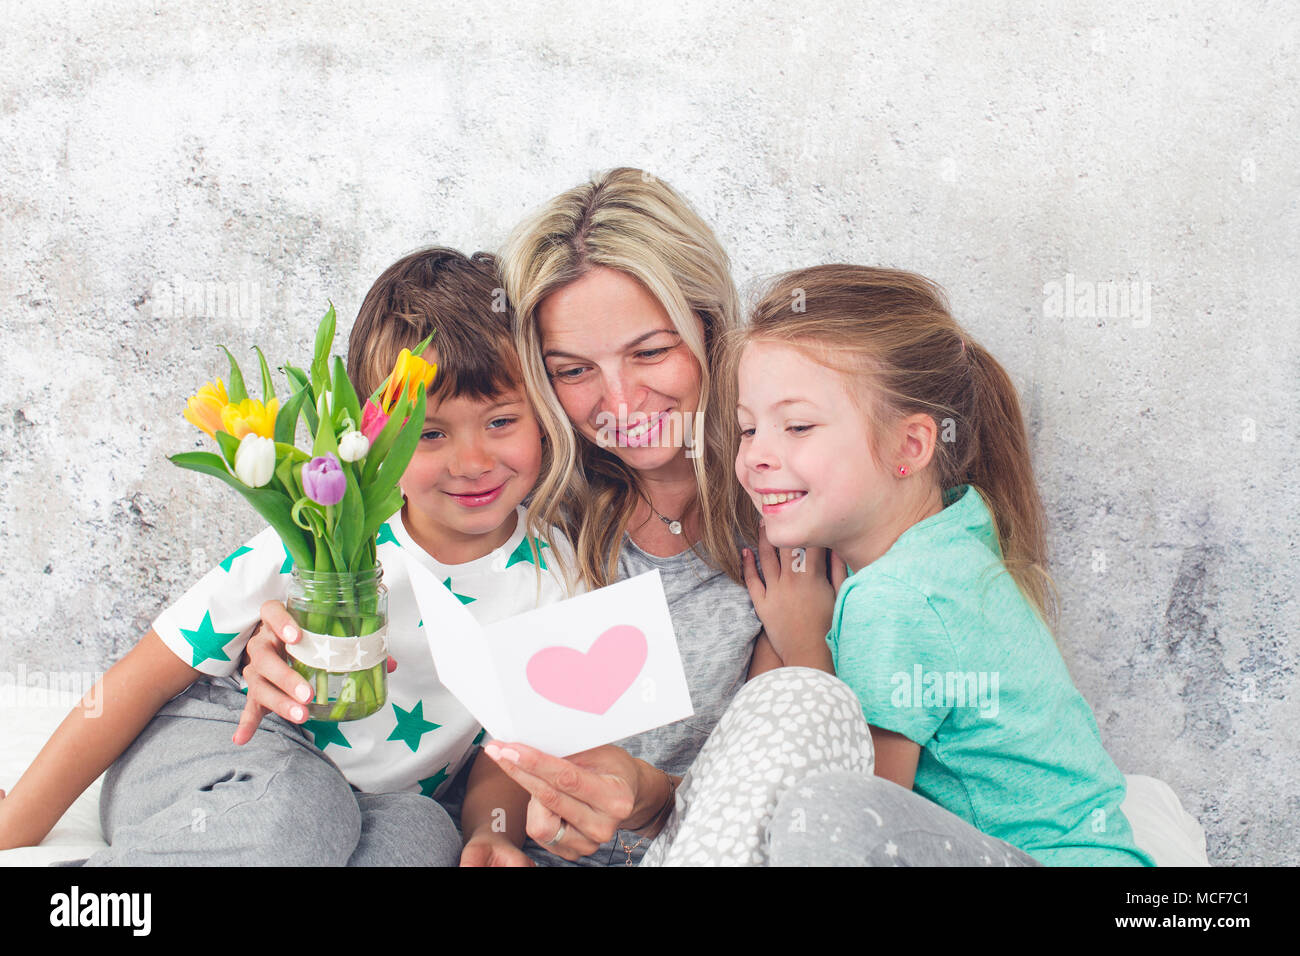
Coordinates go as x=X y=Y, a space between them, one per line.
x=1030 y=157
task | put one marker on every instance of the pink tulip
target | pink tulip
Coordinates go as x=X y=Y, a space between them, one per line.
x=372 y=422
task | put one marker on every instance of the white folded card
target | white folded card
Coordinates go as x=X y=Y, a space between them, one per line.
x=566 y=677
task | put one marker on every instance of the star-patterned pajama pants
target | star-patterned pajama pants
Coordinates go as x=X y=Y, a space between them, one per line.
x=184 y=794
x=786 y=780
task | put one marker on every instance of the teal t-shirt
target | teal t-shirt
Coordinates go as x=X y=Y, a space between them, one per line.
x=941 y=646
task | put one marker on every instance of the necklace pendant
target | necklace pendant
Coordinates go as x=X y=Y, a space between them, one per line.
x=675 y=527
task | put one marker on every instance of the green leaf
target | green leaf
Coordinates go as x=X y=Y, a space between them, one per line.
x=321 y=353
x=325 y=442
x=309 y=516
x=323 y=562
x=345 y=396
x=399 y=456
x=228 y=444
x=273 y=506
x=290 y=453
x=235 y=391
x=376 y=495
x=299 y=378
x=336 y=553
x=296 y=376
x=376 y=515
x=286 y=419
x=384 y=440
x=420 y=349
x=268 y=387
x=284 y=473
x=350 y=518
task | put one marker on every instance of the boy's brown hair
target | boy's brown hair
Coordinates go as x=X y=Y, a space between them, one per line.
x=458 y=296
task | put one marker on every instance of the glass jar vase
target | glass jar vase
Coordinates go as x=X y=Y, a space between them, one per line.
x=343 y=651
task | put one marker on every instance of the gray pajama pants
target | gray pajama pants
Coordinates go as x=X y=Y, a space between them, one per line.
x=786 y=780
x=184 y=794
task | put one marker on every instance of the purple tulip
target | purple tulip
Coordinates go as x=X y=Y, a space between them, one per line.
x=323 y=480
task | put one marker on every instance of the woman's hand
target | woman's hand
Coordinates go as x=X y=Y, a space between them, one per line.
x=486 y=848
x=795 y=600
x=274 y=686
x=585 y=799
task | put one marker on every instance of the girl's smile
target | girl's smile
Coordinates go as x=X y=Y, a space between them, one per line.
x=773 y=501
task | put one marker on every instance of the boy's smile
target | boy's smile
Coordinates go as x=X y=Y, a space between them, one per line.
x=477 y=499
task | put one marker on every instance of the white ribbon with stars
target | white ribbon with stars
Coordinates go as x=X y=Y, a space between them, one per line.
x=341 y=655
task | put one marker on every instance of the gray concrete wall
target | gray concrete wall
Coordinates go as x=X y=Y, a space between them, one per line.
x=1003 y=149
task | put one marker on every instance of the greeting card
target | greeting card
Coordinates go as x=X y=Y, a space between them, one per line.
x=566 y=677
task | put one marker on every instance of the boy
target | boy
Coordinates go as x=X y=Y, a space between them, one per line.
x=292 y=792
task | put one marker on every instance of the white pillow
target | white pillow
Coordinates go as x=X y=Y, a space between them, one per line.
x=29 y=716
x=1160 y=824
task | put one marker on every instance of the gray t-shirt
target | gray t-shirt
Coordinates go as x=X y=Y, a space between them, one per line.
x=716 y=627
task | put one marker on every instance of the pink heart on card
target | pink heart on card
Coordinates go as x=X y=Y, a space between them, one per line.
x=593 y=681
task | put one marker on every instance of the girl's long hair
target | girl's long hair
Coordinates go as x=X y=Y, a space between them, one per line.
x=891 y=334
x=628 y=220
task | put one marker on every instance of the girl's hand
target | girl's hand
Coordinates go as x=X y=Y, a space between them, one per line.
x=795 y=600
x=486 y=848
x=585 y=799
x=274 y=686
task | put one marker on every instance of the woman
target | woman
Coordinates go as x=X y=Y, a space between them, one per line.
x=622 y=298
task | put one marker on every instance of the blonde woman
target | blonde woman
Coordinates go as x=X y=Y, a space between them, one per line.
x=622 y=298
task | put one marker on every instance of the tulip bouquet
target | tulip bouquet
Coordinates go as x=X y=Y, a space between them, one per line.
x=326 y=506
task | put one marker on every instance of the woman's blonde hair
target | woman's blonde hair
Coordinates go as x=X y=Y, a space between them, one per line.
x=890 y=333
x=630 y=221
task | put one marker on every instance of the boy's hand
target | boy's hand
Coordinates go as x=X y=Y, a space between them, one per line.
x=486 y=848
x=795 y=600
x=274 y=686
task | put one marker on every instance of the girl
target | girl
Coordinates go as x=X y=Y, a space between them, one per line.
x=871 y=424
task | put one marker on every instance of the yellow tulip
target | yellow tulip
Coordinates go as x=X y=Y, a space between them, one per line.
x=250 y=416
x=203 y=410
x=411 y=374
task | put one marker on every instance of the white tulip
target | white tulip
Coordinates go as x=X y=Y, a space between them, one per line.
x=353 y=446
x=255 y=460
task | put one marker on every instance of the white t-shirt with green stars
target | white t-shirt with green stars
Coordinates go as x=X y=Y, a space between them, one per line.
x=422 y=736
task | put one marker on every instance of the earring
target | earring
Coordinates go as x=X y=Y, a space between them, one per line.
x=902 y=471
